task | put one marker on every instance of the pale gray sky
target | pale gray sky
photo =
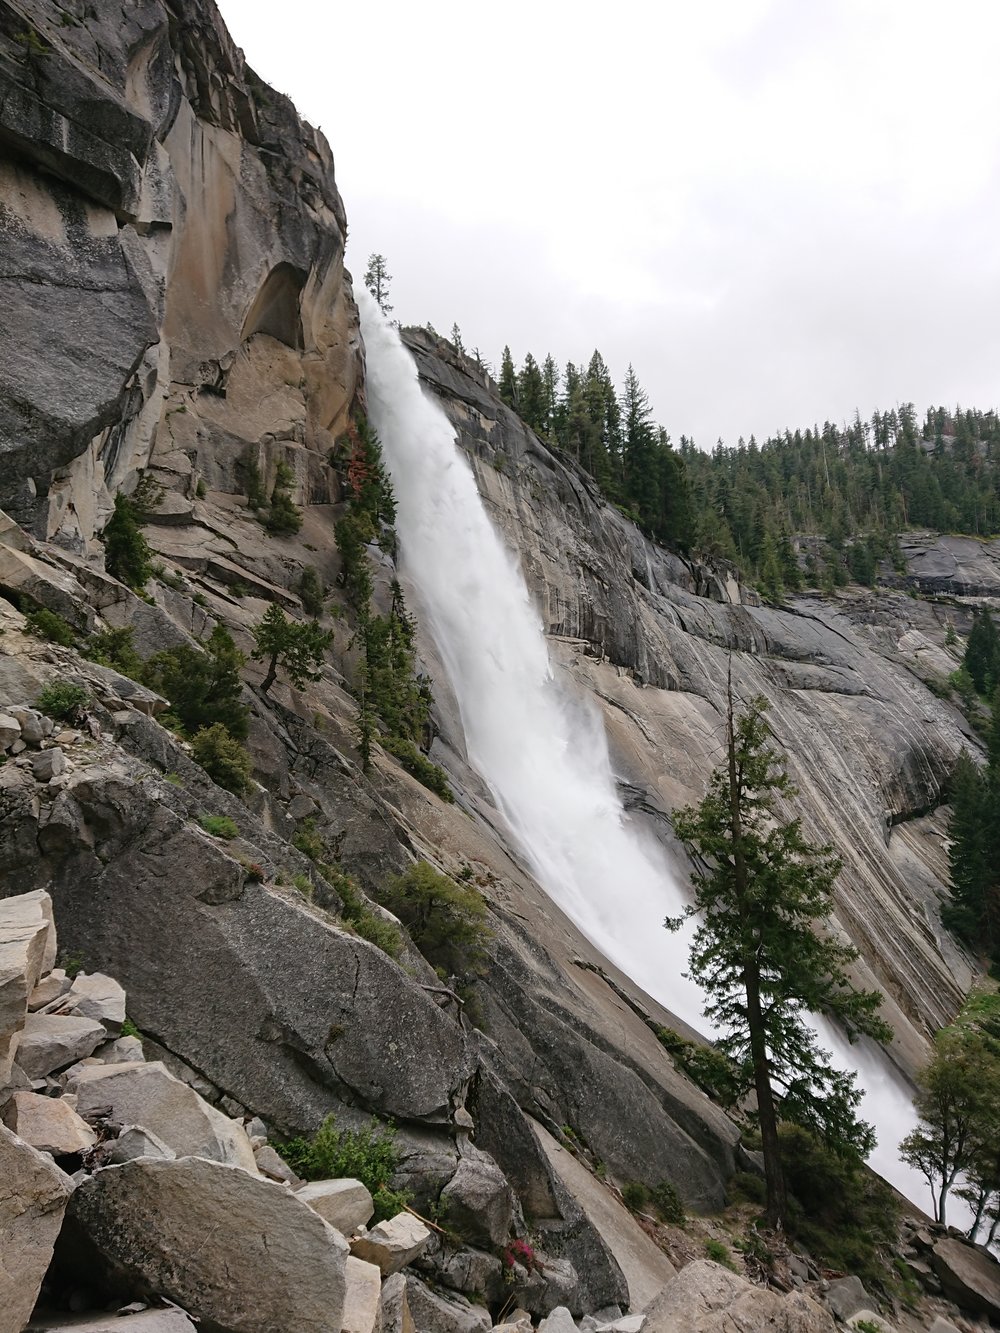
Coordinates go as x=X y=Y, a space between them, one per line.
x=778 y=210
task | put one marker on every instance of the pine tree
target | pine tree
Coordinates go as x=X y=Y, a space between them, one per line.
x=531 y=394
x=377 y=279
x=508 y=380
x=759 y=956
x=295 y=647
x=982 y=652
x=456 y=339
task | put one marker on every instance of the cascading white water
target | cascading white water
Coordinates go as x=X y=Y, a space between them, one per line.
x=542 y=752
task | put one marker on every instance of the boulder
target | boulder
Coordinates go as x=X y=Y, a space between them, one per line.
x=49 y=1042
x=704 y=1297
x=10 y=731
x=93 y=995
x=345 y=1204
x=846 y=1296
x=434 y=1313
x=30 y=720
x=48 y=1124
x=942 y=1325
x=480 y=1203
x=48 y=764
x=558 y=1321
x=33 y=1195
x=150 y=1096
x=392 y=1244
x=362 y=1297
x=396 y=1317
x=969 y=1277
x=238 y=1252
x=170 y=1320
x=138 y=1142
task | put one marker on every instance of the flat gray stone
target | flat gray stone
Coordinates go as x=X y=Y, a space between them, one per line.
x=846 y=1296
x=138 y=1142
x=49 y=1042
x=362 y=1299
x=274 y=1166
x=968 y=1277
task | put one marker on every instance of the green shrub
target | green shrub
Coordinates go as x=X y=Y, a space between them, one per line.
x=445 y=920
x=376 y=930
x=668 y=1203
x=203 y=685
x=283 y=517
x=220 y=826
x=308 y=841
x=47 y=625
x=113 y=648
x=253 y=483
x=745 y=1187
x=223 y=758
x=369 y=1155
x=129 y=1029
x=303 y=884
x=419 y=766
x=635 y=1195
x=126 y=552
x=62 y=700
x=174 y=779
x=867 y=1326
x=839 y=1210
x=719 y=1253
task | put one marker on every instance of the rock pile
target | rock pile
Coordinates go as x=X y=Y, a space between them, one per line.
x=119 y=1183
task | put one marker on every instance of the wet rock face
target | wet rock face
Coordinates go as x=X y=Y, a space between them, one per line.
x=166 y=222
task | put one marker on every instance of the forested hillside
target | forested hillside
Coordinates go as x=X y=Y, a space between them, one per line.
x=852 y=486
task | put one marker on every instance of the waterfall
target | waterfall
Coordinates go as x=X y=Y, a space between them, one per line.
x=541 y=750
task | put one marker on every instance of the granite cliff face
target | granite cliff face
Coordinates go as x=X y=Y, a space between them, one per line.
x=175 y=301
x=173 y=282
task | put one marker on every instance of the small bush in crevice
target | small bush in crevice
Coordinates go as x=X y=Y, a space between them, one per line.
x=113 y=647
x=62 y=700
x=720 y=1254
x=435 y=779
x=369 y=1155
x=635 y=1195
x=223 y=758
x=46 y=624
x=219 y=826
x=311 y=593
x=668 y=1203
x=445 y=920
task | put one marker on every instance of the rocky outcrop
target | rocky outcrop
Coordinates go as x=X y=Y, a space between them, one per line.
x=707 y=1298
x=969 y=1277
x=173 y=280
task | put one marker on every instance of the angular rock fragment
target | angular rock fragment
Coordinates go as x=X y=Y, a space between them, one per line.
x=272 y=1165
x=33 y=1195
x=435 y=1313
x=10 y=731
x=234 y=1250
x=345 y=1204
x=558 y=1321
x=392 y=1244
x=150 y=1096
x=93 y=995
x=138 y=1142
x=48 y=1123
x=396 y=1317
x=362 y=1297
x=50 y=988
x=48 y=764
x=49 y=1042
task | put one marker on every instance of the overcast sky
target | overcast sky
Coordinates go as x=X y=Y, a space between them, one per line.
x=778 y=210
